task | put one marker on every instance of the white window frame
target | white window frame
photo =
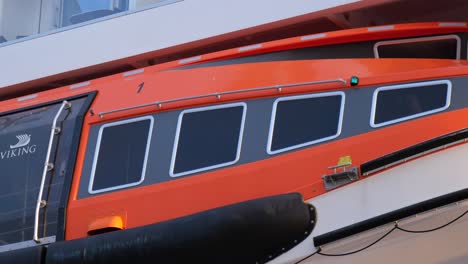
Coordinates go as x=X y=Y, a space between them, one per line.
x=414 y=40
x=299 y=97
x=406 y=86
x=203 y=109
x=98 y=146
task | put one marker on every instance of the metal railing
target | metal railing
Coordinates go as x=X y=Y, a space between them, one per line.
x=47 y=167
x=218 y=95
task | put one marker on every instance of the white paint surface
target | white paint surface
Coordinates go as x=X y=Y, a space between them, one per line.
x=141 y=32
x=405 y=185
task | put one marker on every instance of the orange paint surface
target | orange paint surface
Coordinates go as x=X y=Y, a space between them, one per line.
x=299 y=171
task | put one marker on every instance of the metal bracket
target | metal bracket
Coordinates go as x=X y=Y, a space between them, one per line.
x=338 y=179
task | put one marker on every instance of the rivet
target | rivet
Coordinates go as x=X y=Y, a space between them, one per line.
x=50 y=166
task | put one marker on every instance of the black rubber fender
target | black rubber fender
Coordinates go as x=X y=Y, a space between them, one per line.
x=31 y=255
x=254 y=231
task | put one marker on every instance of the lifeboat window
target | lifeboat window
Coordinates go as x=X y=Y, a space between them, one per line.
x=438 y=47
x=208 y=138
x=392 y=104
x=298 y=121
x=121 y=154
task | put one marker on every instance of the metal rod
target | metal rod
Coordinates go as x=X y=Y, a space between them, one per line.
x=64 y=105
x=218 y=95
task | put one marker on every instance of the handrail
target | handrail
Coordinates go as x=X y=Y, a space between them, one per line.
x=47 y=167
x=414 y=151
x=218 y=95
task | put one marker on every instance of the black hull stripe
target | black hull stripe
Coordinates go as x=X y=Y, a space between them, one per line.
x=382 y=162
x=254 y=231
x=390 y=217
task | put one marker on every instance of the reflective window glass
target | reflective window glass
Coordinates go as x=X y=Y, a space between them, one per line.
x=303 y=120
x=208 y=138
x=401 y=102
x=121 y=154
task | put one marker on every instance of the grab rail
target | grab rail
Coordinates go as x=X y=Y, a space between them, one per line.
x=414 y=151
x=47 y=167
x=218 y=95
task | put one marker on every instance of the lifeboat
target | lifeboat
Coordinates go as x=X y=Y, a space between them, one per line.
x=340 y=146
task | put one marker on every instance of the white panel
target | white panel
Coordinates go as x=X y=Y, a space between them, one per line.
x=20 y=18
x=444 y=246
x=405 y=185
x=145 y=31
x=413 y=182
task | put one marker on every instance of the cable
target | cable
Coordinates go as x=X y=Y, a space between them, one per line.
x=349 y=253
x=359 y=250
x=319 y=250
x=433 y=229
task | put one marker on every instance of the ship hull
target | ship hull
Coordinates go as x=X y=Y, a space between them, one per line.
x=421 y=194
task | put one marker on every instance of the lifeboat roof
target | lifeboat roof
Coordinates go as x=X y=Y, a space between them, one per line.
x=328 y=38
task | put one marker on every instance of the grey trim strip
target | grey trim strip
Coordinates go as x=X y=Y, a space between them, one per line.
x=381 y=28
x=251 y=47
x=26 y=244
x=130 y=73
x=452 y=24
x=314 y=36
x=27 y=97
x=79 y=85
x=191 y=59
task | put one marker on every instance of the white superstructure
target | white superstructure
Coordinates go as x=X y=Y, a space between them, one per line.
x=49 y=43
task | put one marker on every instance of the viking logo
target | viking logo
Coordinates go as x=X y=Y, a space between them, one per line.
x=23 y=140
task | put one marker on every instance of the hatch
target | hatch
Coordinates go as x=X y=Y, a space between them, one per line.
x=37 y=153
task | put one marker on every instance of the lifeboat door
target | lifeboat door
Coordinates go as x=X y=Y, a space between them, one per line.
x=37 y=147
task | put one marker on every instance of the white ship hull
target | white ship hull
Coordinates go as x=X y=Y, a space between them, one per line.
x=411 y=183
